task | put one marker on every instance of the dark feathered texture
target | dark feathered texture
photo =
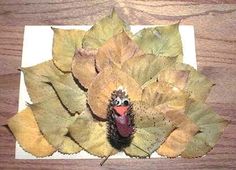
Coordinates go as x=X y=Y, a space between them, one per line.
x=116 y=140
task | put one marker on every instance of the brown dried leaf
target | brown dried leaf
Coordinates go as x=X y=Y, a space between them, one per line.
x=178 y=78
x=24 y=127
x=171 y=102
x=116 y=51
x=198 y=85
x=177 y=141
x=105 y=83
x=83 y=66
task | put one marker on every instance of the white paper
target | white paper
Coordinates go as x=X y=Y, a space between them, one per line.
x=37 y=48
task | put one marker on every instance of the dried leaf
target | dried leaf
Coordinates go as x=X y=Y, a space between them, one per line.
x=171 y=102
x=65 y=43
x=198 y=85
x=161 y=41
x=152 y=130
x=144 y=68
x=164 y=96
x=105 y=83
x=103 y=30
x=116 y=51
x=83 y=66
x=69 y=147
x=178 y=78
x=35 y=78
x=177 y=141
x=69 y=93
x=91 y=135
x=53 y=120
x=27 y=133
x=211 y=127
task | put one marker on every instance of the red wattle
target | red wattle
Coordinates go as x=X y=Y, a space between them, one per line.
x=123 y=127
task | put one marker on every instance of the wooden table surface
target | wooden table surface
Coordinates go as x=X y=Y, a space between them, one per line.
x=215 y=29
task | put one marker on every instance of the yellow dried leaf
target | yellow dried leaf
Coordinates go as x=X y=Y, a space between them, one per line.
x=83 y=66
x=105 y=83
x=91 y=135
x=178 y=78
x=145 y=67
x=165 y=96
x=69 y=147
x=116 y=51
x=65 y=43
x=27 y=133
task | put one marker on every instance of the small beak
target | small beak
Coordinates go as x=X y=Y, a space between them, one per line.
x=121 y=110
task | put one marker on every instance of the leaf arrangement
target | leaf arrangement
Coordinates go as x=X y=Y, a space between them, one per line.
x=72 y=106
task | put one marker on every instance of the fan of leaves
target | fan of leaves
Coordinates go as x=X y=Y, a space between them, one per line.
x=70 y=94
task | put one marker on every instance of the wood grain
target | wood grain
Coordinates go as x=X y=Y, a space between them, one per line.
x=215 y=29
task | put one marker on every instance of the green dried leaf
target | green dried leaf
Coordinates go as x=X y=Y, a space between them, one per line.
x=53 y=121
x=39 y=90
x=65 y=42
x=69 y=93
x=144 y=68
x=35 y=78
x=198 y=85
x=211 y=127
x=92 y=135
x=103 y=30
x=152 y=129
x=161 y=41
x=116 y=51
x=27 y=133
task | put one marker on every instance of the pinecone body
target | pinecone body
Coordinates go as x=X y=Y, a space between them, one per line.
x=114 y=137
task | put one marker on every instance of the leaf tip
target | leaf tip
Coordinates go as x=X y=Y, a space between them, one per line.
x=54 y=29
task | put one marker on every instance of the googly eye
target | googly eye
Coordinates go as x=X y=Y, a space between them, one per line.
x=117 y=101
x=125 y=101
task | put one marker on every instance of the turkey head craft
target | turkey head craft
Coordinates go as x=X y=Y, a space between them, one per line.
x=107 y=90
